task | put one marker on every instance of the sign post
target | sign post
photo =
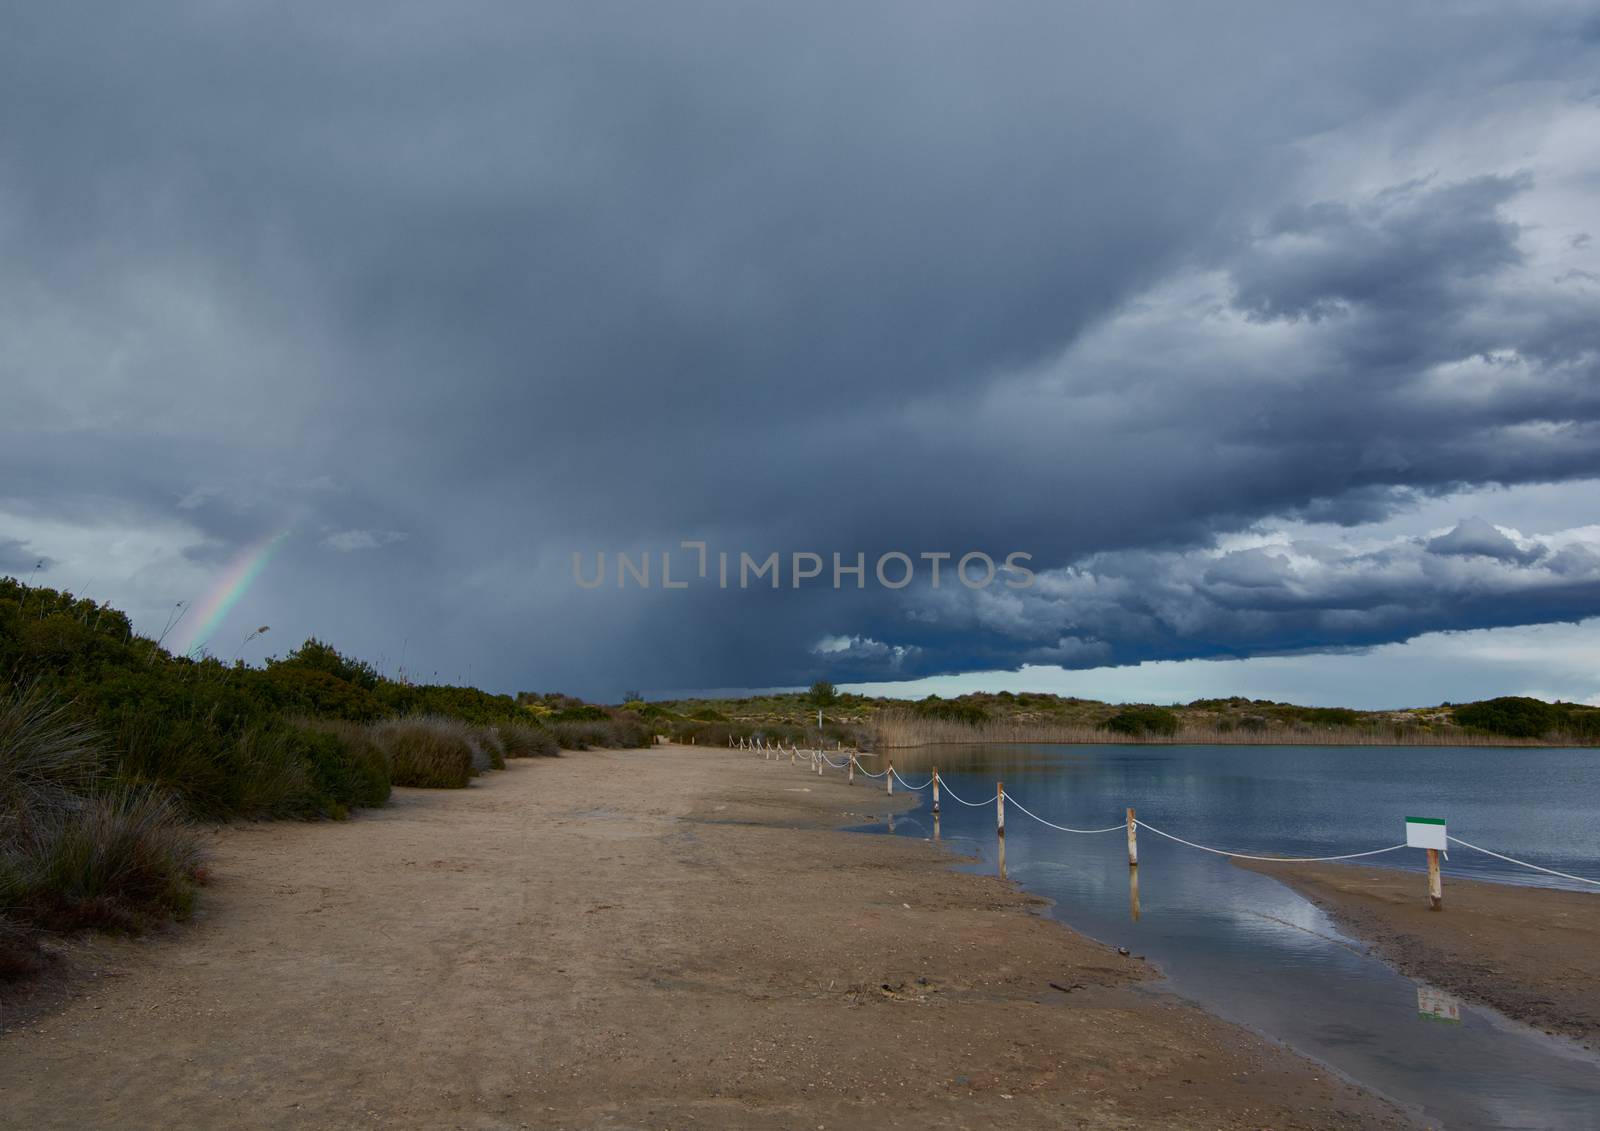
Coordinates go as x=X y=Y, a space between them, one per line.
x=1429 y=833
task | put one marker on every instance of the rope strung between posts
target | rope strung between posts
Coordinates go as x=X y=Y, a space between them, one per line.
x=959 y=800
x=944 y=788
x=907 y=784
x=1279 y=859
x=1523 y=863
x=1063 y=828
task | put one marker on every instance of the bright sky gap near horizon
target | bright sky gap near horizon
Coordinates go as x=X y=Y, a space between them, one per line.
x=1271 y=331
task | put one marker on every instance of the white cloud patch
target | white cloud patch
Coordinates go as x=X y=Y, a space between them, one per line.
x=863 y=650
x=348 y=541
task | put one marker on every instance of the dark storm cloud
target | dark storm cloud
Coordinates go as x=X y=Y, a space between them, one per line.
x=1286 y=597
x=1409 y=247
x=514 y=282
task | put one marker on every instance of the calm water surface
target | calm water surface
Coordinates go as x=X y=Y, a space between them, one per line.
x=1254 y=951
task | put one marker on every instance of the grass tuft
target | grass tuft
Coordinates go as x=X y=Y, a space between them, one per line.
x=523 y=741
x=117 y=860
x=78 y=848
x=427 y=750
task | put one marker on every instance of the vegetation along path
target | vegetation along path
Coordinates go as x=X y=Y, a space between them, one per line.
x=675 y=937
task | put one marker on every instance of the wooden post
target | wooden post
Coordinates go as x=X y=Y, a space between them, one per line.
x=851 y=778
x=936 y=791
x=1435 y=883
x=1133 y=893
x=888 y=779
x=1000 y=823
x=1133 y=840
x=791 y=755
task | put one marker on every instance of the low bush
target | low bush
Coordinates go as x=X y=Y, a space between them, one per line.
x=77 y=847
x=581 y=713
x=1143 y=720
x=488 y=749
x=351 y=765
x=951 y=710
x=426 y=751
x=523 y=741
x=611 y=733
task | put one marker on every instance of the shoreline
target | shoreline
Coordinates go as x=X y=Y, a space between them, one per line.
x=668 y=937
x=1530 y=953
x=1112 y=739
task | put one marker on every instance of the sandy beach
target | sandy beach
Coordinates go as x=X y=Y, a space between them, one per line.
x=1531 y=953
x=678 y=937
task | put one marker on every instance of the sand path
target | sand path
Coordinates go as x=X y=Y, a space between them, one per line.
x=671 y=938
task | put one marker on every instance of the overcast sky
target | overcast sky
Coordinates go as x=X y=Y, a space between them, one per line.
x=1271 y=332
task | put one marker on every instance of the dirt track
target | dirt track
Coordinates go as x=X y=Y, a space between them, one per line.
x=673 y=938
x=1531 y=953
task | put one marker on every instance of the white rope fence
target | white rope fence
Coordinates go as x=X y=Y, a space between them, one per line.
x=907 y=784
x=851 y=759
x=951 y=794
x=1117 y=828
x=1523 y=863
x=1281 y=859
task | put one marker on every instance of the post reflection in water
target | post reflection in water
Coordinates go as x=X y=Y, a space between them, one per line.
x=1133 y=893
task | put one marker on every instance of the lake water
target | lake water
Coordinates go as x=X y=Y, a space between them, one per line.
x=1252 y=950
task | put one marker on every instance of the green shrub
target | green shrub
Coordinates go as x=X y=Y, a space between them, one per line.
x=352 y=769
x=952 y=710
x=1330 y=716
x=581 y=713
x=316 y=656
x=1514 y=716
x=1143 y=720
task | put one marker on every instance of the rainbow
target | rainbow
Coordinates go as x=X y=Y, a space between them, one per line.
x=231 y=585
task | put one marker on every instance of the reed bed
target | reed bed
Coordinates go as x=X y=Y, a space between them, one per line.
x=892 y=732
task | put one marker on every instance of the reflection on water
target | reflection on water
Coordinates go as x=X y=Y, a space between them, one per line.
x=1436 y=1005
x=1256 y=952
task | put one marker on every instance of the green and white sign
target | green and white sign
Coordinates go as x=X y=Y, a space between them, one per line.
x=1425 y=832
